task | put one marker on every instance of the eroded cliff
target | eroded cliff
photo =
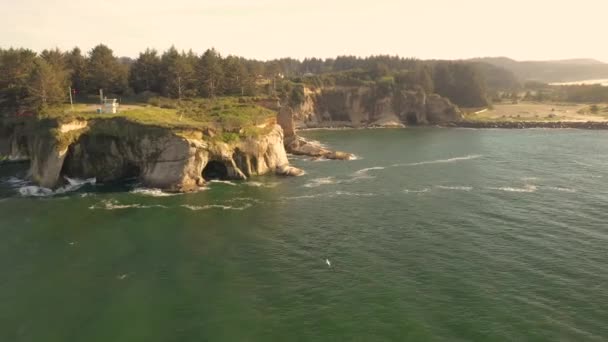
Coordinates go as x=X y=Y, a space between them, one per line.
x=370 y=107
x=113 y=150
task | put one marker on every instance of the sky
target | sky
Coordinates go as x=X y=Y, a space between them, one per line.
x=267 y=29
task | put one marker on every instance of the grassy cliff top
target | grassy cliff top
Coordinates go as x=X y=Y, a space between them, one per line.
x=224 y=114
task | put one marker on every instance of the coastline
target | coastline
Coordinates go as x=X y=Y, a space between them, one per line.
x=588 y=125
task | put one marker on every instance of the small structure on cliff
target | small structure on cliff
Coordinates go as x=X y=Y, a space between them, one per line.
x=109 y=106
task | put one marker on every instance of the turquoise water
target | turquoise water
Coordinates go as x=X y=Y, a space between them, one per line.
x=450 y=234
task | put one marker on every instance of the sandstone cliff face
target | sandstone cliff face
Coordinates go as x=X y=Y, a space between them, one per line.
x=366 y=107
x=173 y=160
x=13 y=143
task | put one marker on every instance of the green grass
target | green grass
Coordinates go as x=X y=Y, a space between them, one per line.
x=224 y=114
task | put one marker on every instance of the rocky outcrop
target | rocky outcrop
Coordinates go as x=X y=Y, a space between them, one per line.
x=299 y=146
x=370 y=107
x=180 y=160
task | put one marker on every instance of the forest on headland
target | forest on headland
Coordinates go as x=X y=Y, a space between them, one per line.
x=34 y=82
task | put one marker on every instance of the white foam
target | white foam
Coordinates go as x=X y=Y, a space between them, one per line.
x=366 y=170
x=527 y=188
x=80 y=182
x=330 y=195
x=441 y=161
x=114 y=205
x=152 y=192
x=581 y=163
x=217 y=181
x=458 y=188
x=558 y=188
x=421 y=191
x=262 y=185
x=14 y=181
x=216 y=206
x=354 y=157
x=317 y=182
x=35 y=191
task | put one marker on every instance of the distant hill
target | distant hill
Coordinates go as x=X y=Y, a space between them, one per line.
x=569 y=70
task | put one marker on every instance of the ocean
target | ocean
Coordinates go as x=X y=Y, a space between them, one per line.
x=431 y=234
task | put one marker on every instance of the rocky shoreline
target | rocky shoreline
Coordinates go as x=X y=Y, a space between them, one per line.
x=592 y=125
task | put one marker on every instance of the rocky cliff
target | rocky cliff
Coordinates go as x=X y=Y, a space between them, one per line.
x=357 y=107
x=113 y=150
x=370 y=107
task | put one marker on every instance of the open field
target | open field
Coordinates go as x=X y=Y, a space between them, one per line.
x=539 y=112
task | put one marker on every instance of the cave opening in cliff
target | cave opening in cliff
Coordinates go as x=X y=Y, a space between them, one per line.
x=411 y=118
x=215 y=170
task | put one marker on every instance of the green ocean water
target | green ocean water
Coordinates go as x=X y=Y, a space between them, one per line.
x=432 y=235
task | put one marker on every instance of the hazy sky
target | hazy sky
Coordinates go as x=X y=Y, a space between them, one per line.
x=446 y=29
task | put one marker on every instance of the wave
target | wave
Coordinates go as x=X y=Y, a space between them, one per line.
x=317 y=182
x=421 y=191
x=217 y=181
x=152 y=192
x=441 y=161
x=581 y=163
x=459 y=188
x=15 y=182
x=216 y=206
x=527 y=188
x=115 y=205
x=368 y=169
x=262 y=185
x=330 y=195
x=561 y=189
x=39 y=191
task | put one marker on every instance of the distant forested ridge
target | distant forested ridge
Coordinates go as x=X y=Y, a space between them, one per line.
x=571 y=70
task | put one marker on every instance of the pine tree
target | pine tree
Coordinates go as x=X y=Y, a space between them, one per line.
x=47 y=85
x=210 y=74
x=104 y=71
x=76 y=65
x=145 y=72
x=176 y=74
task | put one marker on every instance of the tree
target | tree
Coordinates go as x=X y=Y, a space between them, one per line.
x=237 y=80
x=145 y=72
x=210 y=73
x=76 y=66
x=16 y=66
x=47 y=85
x=177 y=76
x=104 y=71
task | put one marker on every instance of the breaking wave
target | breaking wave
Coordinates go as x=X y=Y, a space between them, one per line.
x=262 y=185
x=459 y=188
x=527 y=188
x=217 y=181
x=152 y=192
x=115 y=205
x=441 y=161
x=38 y=191
x=330 y=195
x=317 y=182
x=216 y=206
x=561 y=189
x=421 y=191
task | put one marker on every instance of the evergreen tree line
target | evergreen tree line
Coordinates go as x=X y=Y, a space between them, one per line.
x=34 y=81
